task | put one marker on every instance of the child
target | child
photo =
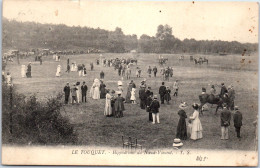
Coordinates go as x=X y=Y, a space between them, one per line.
x=167 y=96
x=133 y=99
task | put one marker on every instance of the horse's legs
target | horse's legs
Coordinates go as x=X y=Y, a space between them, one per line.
x=216 y=110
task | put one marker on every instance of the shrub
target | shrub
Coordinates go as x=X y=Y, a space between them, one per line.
x=34 y=122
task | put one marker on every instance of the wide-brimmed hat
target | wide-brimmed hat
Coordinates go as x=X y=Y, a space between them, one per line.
x=195 y=106
x=119 y=83
x=155 y=96
x=177 y=143
x=236 y=108
x=183 y=105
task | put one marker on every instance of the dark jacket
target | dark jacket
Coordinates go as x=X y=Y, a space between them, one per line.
x=29 y=68
x=142 y=94
x=67 y=90
x=84 y=89
x=155 y=105
x=148 y=93
x=119 y=104
x=223 y=90
x=237 y=119
x=162 y=90
x=225 y=117
x=134 y=86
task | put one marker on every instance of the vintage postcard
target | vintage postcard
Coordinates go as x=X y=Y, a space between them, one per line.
x=130 y=83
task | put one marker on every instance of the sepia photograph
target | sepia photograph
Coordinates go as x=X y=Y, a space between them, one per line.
x=130 y=83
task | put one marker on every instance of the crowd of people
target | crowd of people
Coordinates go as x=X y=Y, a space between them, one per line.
x=148 y=101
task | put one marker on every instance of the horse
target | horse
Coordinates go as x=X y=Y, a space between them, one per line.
x=181 y=58
x=211 y=99
x=163 y=61
x=205 y=60
x=197 y=61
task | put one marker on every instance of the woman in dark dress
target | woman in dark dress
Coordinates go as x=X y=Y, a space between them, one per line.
x=181 y=128
x=102 y=90
x=113 y=102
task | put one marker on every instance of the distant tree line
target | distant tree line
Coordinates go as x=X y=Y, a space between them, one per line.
x=30 y=35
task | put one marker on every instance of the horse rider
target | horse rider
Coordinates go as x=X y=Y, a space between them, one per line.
x=203 y=97
x=213 y=90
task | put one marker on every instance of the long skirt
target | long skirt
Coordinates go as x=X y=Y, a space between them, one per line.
x=128 y=96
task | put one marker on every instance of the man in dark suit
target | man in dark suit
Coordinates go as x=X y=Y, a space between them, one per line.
x=84 y=89
x=237 y=121
x=223 y=90
x=225 y=117
x=29 y=70
x=155 y=71
x=162 y=92
x=102 y=75
x=143 y=97
x=67 y=92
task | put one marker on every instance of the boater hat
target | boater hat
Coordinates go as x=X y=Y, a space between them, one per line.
x=183 y=105
x=177 y=143
x=119 y=83
x=118 y=92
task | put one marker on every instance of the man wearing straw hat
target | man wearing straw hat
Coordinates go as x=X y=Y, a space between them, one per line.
x=225 y=117
x=155 y=105
x=142 y=96
x=119 y=105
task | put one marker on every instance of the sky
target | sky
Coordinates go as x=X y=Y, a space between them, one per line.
x=227 y=21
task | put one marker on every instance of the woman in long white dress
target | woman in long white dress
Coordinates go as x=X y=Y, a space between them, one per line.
x=23 y=71
x=196 y=127
x=58 y=72
x=108 y=108
x=94 y=91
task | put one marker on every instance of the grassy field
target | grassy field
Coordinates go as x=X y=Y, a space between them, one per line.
x=94 y=128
